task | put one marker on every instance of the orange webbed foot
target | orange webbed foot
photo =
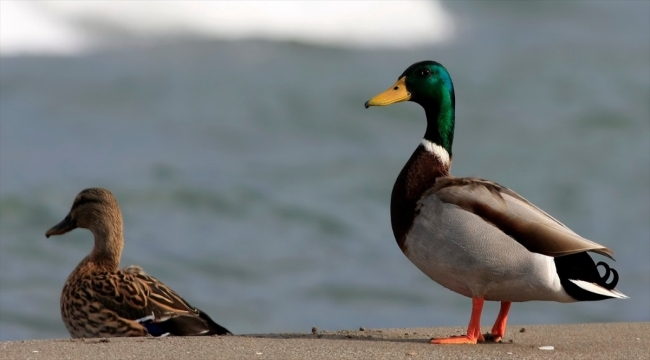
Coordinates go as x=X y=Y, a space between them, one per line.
x=460 y=339
x=499 y=328
x=473 y=330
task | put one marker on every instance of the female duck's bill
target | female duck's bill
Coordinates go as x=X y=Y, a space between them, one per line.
x=474 y=236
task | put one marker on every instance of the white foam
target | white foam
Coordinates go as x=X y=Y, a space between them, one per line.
x=58 y=26
x=27 y=28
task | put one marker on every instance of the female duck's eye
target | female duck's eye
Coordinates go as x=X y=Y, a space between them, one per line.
x=425 y=72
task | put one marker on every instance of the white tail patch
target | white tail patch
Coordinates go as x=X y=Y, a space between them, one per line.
x=437 y=150
x=597 y=289
x=146 y=318
x=163 y=317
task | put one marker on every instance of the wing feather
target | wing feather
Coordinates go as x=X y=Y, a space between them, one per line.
x=135 y=295
x=517 y=217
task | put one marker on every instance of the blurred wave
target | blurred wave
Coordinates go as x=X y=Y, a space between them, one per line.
x=69 y=27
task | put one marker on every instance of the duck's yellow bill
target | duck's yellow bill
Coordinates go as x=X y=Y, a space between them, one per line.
x=396 y=93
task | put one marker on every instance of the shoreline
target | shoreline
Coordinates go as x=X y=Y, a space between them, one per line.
x=575 y=341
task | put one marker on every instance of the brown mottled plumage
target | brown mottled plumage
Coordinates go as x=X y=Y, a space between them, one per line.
x=99 y=300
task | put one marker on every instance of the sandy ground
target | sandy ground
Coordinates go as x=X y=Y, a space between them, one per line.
x=583 y=341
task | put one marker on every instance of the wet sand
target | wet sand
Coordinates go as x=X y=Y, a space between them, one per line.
x=581 y=341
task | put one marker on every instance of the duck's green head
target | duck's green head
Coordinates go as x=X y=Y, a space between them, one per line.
x=427 y=83
x=423 y=82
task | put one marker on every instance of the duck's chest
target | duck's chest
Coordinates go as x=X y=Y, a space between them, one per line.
x=417 y=177
x=85 y=314
x=78 y=304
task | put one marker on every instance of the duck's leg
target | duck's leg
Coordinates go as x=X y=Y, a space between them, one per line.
x=473 y=329
x=499 y=328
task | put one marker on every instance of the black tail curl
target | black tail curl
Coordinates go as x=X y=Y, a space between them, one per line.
x=603 y=279
x=582 y=267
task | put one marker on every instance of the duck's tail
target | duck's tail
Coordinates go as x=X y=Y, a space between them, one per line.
x=581 y=279
x=597 y=289
x=182 y=325
x=215 y=329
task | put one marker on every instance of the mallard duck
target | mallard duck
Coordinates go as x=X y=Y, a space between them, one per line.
x=99 y=300
x=474 y=236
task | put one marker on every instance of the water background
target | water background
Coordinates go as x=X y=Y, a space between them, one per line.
x=254 y=183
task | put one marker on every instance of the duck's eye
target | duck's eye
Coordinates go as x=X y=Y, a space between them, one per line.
x=425 y=72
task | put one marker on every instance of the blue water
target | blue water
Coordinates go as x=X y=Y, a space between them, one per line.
x=254 y=183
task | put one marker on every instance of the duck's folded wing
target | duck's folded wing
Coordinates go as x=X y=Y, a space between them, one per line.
x=515 y=216
x=134 y=295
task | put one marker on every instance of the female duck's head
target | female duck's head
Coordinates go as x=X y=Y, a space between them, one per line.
x=96 y=210
x=92 y=208
x=427 y=83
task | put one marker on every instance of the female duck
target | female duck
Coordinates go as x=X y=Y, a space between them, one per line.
x=99 y=300
x=474 y=236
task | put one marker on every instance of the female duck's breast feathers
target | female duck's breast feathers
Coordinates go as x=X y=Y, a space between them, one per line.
x=515 y=216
